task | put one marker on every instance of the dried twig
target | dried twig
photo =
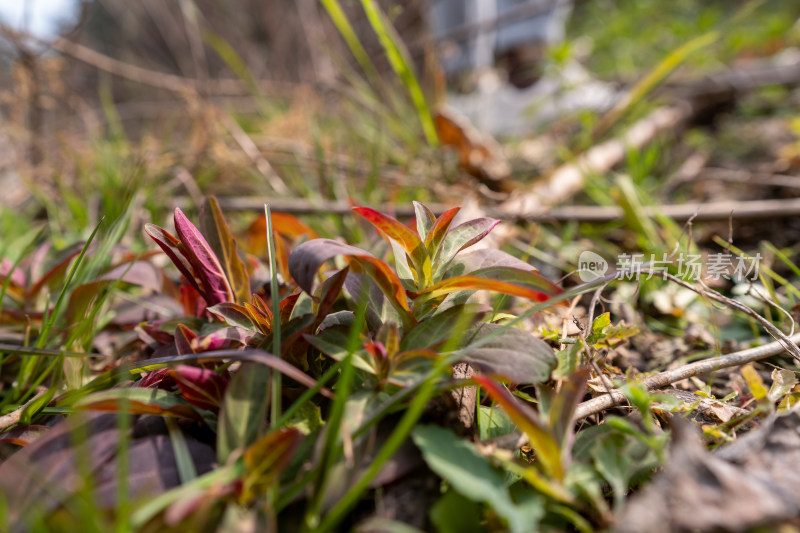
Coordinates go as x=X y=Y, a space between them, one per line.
x=13 y=418
x=144 y=76
x=691 y=99
x=569 y=178
x=251 y=150
x=712 y=211
x=743 y=176
x=659 y=381
x=601 y=403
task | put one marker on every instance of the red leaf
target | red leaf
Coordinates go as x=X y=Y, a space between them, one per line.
x=157 y=379
x=439 y=230
x=183 y=340
x=200 y=387
x=205 y=264
x=172 y=247
x=505 y=280
x=391 y=228
x=307 y=258
x=541 y=439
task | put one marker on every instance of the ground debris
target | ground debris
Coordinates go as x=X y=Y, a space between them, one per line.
x=753 y=482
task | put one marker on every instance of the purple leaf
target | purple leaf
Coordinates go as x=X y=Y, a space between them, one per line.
x=461 y=237
x=201 y=387
x=206 y=265
x=183 y=340
x=307 y=258
x=491 y=257
x=16 y=274
x=223 y=339
x=513 y=353
x=172 y=247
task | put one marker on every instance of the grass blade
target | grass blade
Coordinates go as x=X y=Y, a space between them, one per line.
x=401 y=64
x=275 y=406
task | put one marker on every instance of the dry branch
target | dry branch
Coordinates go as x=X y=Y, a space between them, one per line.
x=690 y=100
x=660 y=381
x=13 y=418
x=712 y=211
x=599 y=404
x=568 y=179
x=145 y=76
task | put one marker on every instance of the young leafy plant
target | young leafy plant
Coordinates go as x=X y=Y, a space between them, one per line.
x=423 y=299
x=428 y=268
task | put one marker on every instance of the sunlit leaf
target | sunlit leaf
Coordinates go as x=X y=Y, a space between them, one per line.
x=512 y=281
x=783 y=381
x=266 y=458
x=754 y=382
x=141 y=401
x=392 y=229
x=232 y=314
x=541 y=439
x=215 y=229
x=424 y=218
x=438 y=232
x=469 y=262
x=461 y=237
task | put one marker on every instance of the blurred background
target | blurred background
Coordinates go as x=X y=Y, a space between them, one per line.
x=376 y=102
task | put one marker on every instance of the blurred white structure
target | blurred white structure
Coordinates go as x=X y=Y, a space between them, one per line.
x=473 y=36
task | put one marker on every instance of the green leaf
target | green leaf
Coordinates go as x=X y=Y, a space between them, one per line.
x=459 y=238
x=453 y=513
x=513 y=353
x=425 y=219
x=600 y=322
x=493 y=422
x=438 y=328
x=333 y=343
x=244 y=409
x=567 y=360
x=456 y=461
x=401 y=64
x=616 y=467
x=306 y=419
